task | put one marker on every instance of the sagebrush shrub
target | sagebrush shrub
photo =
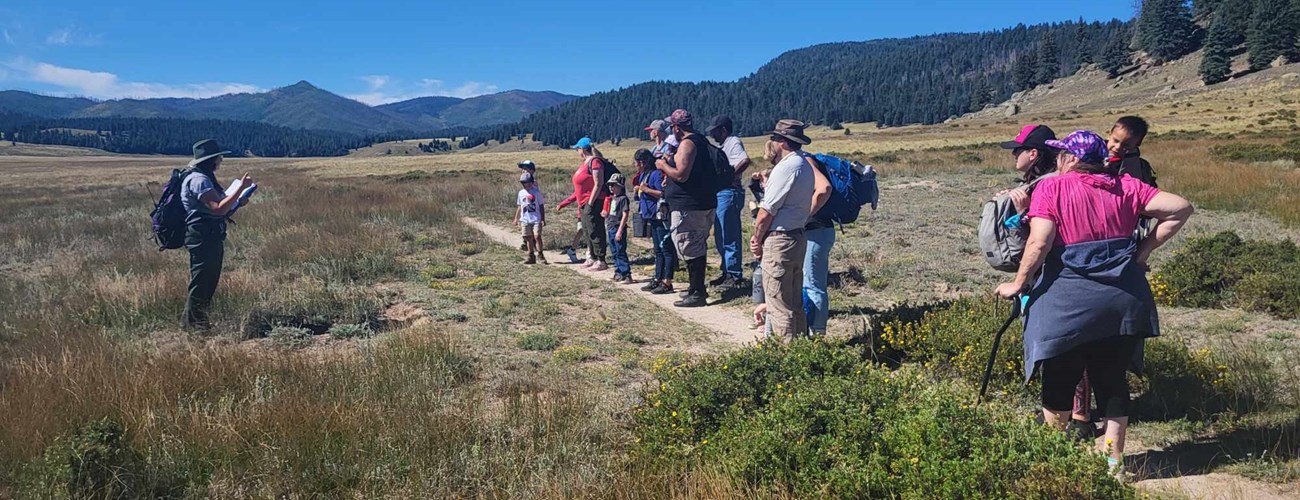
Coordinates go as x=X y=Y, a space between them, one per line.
x=291 y=337
x=539 y=342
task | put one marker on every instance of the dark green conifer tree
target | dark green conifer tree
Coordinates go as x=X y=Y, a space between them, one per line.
x=1235 y=14
x=1024 y=71
x=1272 y=32
x=1165 y=29
x=1215 y=63
x=1115 y=57
x=1049 y=61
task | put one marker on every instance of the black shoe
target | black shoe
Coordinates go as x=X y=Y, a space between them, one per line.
x=719 y=280
x=694 y=300
x=653 y=284
x=727 y=284
x=663 y=289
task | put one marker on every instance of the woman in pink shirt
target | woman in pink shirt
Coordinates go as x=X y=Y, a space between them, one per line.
x=1091 y=306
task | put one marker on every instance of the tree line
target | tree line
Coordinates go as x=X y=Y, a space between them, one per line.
x=1269 y=30
x=175 y=136
x=924 y=79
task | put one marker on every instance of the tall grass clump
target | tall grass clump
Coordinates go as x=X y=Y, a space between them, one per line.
x=815 y=420
x=1226 y=271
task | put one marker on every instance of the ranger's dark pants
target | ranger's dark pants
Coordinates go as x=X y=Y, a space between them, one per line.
x=207 y=245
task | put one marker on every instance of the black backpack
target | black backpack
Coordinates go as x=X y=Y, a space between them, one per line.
x=168 y=214
x=607 y=171
x=722 y=173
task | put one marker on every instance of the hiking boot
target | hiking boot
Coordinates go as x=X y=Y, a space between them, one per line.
x=599 y=266
x=653 y=284
x=617 y=277
x=541 y=257
x=530 y=260
x=693 y=300
x=627 y=280
x=662 y=289
x=719 y=280
x=727 y=284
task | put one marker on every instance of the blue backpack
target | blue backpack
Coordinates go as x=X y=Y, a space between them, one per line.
x=852 y=186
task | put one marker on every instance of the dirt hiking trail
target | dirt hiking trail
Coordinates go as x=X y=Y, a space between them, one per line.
x=732 y=326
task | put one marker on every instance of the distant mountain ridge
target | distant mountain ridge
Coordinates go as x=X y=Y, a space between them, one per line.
x=301 y=106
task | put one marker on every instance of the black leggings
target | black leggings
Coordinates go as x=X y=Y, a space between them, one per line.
x=1106 y=361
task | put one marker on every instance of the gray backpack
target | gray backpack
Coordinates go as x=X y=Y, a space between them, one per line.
x=1002 y=245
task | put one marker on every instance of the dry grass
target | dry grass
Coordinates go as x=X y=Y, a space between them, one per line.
x=441 y=404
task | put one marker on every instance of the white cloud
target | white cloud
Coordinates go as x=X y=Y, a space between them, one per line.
x=104 y=85
x=383 y=89
x=9 y=39
x=71 y=36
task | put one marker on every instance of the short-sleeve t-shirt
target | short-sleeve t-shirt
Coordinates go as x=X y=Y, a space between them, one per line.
x=735 y=151
x=647 y=205
x=529 y=201
x=192 y=189
x=789 y=192
x=618 y=206
x=1090 y=207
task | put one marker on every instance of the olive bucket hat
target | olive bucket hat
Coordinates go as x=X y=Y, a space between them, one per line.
x=205 y=150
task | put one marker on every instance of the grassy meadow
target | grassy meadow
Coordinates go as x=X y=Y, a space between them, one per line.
x=368 y=344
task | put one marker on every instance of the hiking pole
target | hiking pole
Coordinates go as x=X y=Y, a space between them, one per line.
x=997 y=339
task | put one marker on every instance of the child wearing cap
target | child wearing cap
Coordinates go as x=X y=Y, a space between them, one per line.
x=530 y=215
x=616 y=216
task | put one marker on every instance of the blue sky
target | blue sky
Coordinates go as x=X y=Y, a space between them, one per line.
x=383 y=51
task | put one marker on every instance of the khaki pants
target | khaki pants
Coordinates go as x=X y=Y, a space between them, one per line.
x=783 y=256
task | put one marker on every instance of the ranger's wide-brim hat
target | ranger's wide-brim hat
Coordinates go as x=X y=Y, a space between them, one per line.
x=793 y=130
x=205 y=150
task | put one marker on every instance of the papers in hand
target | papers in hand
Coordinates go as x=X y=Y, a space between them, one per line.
x=245 y=192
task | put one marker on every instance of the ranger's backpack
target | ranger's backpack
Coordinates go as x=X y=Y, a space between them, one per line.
x=1003 y=243
x=168 y=214
x=852 y=186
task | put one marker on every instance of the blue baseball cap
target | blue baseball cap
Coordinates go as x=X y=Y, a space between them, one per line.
x=583 y=143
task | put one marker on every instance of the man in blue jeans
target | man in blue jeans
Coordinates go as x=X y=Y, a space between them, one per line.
x=731 y=201
x=820 y=232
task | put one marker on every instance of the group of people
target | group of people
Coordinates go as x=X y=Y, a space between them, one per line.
x=1094 y=216
x=1089 y=204
x=680 y=202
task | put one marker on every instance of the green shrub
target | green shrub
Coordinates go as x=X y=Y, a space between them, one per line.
x=1179 y=382
x=539 y=342
x=344 y=331
x=96 y=461
x=1224 y=270
x=955 y=338
x=291 y=337
x=468 y=249
x=574 y=354
x=1253 y=152
x=630 y=338
x=818 y=421
x=438 y=272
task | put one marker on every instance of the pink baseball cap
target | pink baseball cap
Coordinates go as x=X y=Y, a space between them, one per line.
x=1031 y=136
